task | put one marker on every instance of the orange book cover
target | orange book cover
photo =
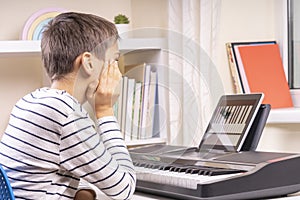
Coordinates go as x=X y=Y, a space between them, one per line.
x=264 y=71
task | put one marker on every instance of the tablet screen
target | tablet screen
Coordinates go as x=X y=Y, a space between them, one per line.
x=231 y=122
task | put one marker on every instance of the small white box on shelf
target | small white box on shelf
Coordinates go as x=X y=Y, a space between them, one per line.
x=295 y=93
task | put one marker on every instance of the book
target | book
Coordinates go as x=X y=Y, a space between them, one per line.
x=129 y=108
x=158 y=111
x=261 y=70
x=124 y=106
x=136 y=111
x=233 y=56
x=144 y=104
x=237 y=85
x=118 y=104
x=142 y=73
x=150 y=109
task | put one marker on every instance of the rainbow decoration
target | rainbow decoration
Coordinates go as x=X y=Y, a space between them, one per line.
x=35 y=24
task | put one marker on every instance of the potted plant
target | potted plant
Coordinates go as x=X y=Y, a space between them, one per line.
x=122 y=23
x=121 y=19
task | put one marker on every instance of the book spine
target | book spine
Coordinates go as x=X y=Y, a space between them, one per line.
x=129 y=109
x=151 y=102
x=241 y=70
x=237 y=85
x=143 y=124
x=124 y=106
x=136 y=111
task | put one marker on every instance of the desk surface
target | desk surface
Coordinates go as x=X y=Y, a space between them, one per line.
x=144 y=196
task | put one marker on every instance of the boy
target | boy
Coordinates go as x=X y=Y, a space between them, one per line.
x=51 y=142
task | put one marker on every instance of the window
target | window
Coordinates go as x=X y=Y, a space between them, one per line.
x=294 y=43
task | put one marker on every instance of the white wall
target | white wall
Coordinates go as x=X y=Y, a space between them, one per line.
x=21 y=75
x=255 y=20
x=14 y=14
x=17 y=77
x=241 y=20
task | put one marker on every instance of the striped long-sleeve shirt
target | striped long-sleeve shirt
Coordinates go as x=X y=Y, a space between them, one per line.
x=51 y=143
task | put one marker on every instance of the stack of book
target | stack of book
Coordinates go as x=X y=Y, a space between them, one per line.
x=257 y=67
x=136 y=105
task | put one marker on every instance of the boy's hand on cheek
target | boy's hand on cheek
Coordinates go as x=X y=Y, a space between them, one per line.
x=105 y=95
x=90 y=93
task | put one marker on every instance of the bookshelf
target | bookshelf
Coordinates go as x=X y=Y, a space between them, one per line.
x=136 y=55
x=19 y=48
x=133 y=50
x=284 y=116
x=27 y=47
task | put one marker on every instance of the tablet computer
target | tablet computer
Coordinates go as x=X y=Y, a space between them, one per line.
x=230 y=122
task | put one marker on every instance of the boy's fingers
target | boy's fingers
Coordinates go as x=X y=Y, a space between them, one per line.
x=117 y=72
x=92 y=87
x=104 y=76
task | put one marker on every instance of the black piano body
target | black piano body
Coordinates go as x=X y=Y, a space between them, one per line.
x=253 y=174
x=235 y=175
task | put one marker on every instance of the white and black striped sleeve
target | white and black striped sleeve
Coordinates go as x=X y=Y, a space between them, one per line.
x=98 y=154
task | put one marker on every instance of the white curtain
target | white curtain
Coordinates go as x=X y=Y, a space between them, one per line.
x=194 y=82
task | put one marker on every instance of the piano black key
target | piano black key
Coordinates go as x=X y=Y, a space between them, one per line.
x=194 y=171
x=155 y=166
x=200 y=170
x=142 y=164
x=176 y=169
x=161 y=167
x=173 y=169
x=169 y=167
x=149 y=165
x=182 y=169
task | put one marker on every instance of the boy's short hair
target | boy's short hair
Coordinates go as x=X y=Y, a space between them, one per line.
x=70 y=34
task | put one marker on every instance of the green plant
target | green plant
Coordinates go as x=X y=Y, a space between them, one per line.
x=121 y=19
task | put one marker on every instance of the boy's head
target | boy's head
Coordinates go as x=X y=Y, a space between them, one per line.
x=70 y=34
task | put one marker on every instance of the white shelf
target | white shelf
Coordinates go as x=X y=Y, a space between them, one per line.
x=22 y=47
x=147 y=141
x=13 y=48
x=142 y=43
x=284 y=115
x=25 y=47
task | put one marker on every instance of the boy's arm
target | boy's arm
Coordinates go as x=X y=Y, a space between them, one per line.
x=101 y=156
x=98 y=155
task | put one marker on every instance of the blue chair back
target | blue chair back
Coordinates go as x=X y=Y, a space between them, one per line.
x=6 y=192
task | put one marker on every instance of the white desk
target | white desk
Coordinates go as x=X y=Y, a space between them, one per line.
x=144 y=196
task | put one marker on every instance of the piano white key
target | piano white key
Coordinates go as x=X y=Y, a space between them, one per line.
x=180 y=179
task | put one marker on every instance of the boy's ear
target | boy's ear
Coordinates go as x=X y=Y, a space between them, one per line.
x=86 y=63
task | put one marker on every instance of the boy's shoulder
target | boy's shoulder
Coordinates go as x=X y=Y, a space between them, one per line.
x=53 y=95
x=51 y=98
